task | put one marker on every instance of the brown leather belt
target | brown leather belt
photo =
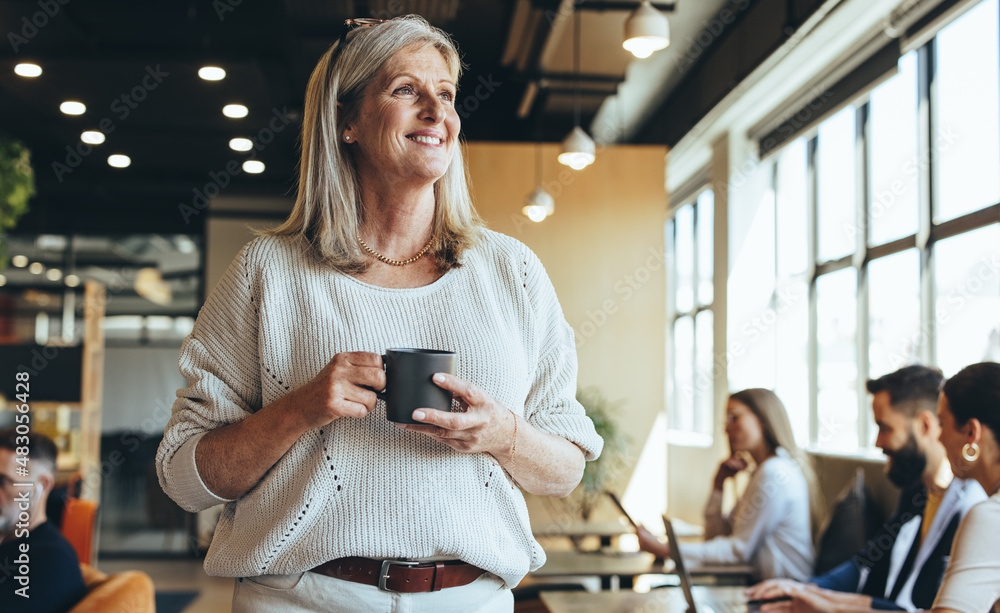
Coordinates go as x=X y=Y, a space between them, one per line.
x=401 y=575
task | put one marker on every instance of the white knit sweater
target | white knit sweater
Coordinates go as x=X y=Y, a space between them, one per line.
x=361 y=487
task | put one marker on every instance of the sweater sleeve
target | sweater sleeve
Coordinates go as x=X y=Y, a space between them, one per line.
x=551 y=405
x=757 y=514
x=972 y=580
x=219 y=361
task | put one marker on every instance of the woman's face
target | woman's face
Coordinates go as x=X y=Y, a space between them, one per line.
x=952 y=438
x=406 y=127
x=743 y=428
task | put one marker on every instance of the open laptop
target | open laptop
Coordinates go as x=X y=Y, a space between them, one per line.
x=703 y=599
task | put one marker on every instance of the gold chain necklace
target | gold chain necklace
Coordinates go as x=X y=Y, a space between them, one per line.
x=392 y=262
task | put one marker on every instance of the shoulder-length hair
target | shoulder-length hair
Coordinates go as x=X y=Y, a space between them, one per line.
x=328 y=212
x=777 y=430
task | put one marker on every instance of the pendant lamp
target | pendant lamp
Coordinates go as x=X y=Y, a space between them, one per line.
x=646 y=30
x=539 y=204
x=578 y=149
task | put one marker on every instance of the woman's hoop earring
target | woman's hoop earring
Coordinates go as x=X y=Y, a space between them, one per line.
x=970 y=452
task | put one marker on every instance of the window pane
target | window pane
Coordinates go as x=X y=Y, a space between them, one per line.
x=792 y=376
x=706 y=231
x=792 y=242
x=967 y=271
x=893 y=209
x=703 y=414
x=837 y=370
x=684 y=258
x=893 y=312
x=682 y=411
x=966 y=113
x=836 y=182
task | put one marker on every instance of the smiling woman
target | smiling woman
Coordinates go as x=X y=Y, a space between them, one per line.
x=329 y=505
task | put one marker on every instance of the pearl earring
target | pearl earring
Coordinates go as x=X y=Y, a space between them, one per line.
x=347 y=138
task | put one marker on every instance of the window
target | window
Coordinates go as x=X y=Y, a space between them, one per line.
x=691 y=356
x=899 y=194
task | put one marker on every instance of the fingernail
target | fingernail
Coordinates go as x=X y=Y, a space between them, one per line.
x=418 y=415
x=439 y=377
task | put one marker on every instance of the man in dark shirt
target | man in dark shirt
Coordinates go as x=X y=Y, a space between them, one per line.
x=39 y=571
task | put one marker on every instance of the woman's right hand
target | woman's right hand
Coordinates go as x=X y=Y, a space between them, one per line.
x=344 y=388
x=728 y=469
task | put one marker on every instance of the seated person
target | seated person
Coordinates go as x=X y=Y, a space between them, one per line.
x=771 y=525
x=54 y=582
x=969 y=409
x=902 y=565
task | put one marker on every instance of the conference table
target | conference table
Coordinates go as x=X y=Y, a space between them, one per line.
x=665 y=600
x=628 y=565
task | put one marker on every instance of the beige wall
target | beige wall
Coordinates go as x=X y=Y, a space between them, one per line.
x=603 y=250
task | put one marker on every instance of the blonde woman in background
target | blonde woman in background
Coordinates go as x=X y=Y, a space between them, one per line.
x=772 y=524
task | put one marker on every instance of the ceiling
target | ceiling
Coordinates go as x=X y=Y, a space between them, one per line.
x=135 y=67
x=134 y=64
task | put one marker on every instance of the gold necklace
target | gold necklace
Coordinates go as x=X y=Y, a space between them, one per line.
x=392 y=262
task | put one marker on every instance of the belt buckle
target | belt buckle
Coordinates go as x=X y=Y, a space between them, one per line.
x=383 y=574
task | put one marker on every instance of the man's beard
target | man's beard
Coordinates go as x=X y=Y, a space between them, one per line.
x=906 y=464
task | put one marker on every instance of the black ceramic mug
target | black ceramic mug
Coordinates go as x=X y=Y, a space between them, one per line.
x=409 y=385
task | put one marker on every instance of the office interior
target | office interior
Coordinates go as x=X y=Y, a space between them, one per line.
x=794 y=194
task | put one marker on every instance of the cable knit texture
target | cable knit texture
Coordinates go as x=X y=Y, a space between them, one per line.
x=362 y=487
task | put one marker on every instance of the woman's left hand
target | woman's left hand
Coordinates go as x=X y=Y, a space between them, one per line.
x=486 y=426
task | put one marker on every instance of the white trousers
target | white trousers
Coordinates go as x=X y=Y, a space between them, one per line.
x=310 y=592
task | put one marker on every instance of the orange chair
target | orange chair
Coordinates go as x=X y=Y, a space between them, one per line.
x=129 y=590
x=79 y=521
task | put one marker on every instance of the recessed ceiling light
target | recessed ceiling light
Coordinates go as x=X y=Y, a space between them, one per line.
x=92 y=137
x=53 y=274
x=119 y=161
x=211 y=73
x=236 y=111
x=253 y=166
x=28 y=70
x=241 y=144
x=72 y=280
x=36 y=268
x=19 y=260
x=72 y=107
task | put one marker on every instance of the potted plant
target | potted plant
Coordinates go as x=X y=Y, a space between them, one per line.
x=602 y=473
x=17 y=186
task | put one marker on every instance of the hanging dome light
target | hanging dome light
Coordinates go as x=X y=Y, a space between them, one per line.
x=578 y=149
x=646 y=30
x=539 y=204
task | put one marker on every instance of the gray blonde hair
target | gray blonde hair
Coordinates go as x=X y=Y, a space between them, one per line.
x=777 y=430
x=328 y=212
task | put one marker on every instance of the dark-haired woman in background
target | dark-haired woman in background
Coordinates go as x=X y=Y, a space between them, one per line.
x=969 y=409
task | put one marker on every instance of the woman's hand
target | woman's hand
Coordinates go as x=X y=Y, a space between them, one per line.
x=344 y=388
x=804 y=600
x=649 y=542
x=771 y=588
x=728 y=469
x=486 y=426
